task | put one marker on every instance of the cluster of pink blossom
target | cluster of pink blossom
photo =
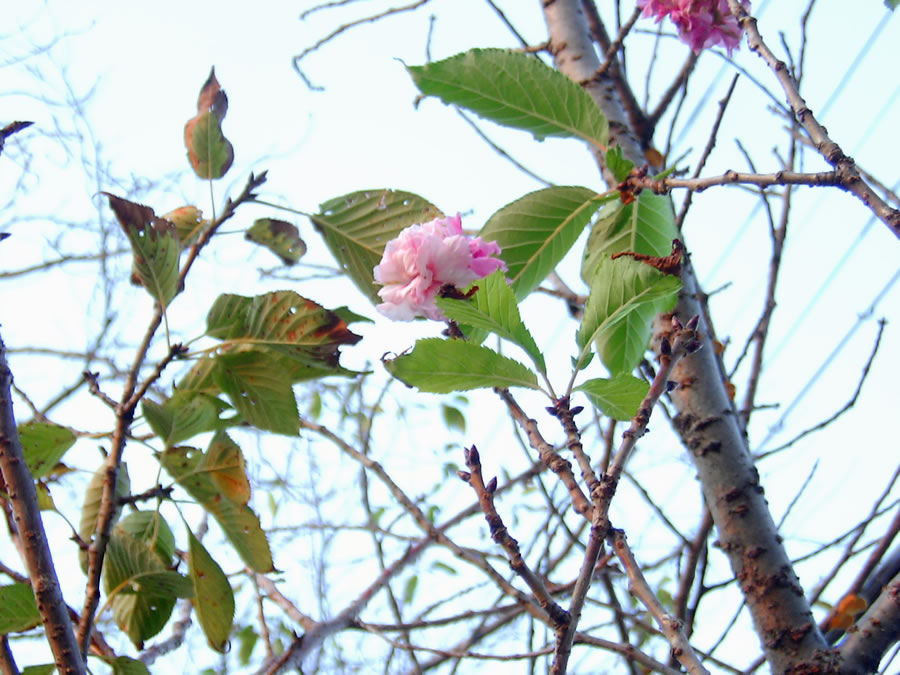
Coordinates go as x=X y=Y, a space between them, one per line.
x=700 y=23
x=422 y=259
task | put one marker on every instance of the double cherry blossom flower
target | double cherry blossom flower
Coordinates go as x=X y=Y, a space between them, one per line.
x=423 y=259
x=700 y=23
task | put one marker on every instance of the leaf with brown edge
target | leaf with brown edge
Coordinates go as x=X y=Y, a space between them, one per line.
x=280 y=237
x=284 y=322
x=154 y=242
x=225 y=465
x=209 y=152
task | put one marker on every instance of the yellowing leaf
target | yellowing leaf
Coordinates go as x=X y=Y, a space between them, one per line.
x=209 y=152
x=225 y=465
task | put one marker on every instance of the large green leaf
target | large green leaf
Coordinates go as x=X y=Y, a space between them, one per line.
x=259 y=390
x=239 y=523
x=441 y=366
x=20 y=612
x=618 y=397
x=141 y=589
x=155 y=245
x=213 y=597
x=44 y=444
x=281 y=321
x=357 y=226
x=279 y=236
x=516 y=90
x=625 y=297
x=183 y=416
x=493 y=308
x=645 y=225
x=536 y=231
x=93 y=498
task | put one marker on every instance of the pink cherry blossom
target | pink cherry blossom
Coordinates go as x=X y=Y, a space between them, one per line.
x=700 y=23
x=425 y=257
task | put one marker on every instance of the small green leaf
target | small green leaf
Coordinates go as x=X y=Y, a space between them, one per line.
x=124 y=665
x=155 y=246
x=357 y=226
x=536 y=231
x=44 y=445
x=93 y=497
x=618 y=397
x=409 y=589
x=248 y=638
x=453 y=418
x=259 y=390
x=891 y=4
x=516 y=90
x=240 y=524
x=444 y=567
x=209 y=152
x=625 y=297
x=442 y=366
x=280 y=237
x=213 y=597
x=283 y=322
x=152 y=529
x=183 y=416
x=224 y=463
x=494 y=308
x=20 y=612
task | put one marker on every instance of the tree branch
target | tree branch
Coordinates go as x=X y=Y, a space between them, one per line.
x=38 y=560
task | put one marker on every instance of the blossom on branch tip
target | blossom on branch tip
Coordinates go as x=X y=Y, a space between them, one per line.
x=423 y=259
x=700 y=23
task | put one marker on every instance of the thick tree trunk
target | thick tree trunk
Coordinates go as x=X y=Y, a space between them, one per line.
x=707 y=420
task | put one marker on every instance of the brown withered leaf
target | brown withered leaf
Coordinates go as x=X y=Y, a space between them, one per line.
x=670 y=264
x=212 y=97
x=133 y=215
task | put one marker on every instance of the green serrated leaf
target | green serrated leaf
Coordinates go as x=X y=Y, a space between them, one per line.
x=357 y=226
x=349 y=316
x=515 y=90
x=259 y=390
x=123 y=665
x=20 y=612
x=93 y=497
x=646 y=225
x=150 y=528
x=155 y=245
x=200 y=377
x=536 y=231
x=44 y=445
x=239 y=522
x=224 y=463
x=141 y=589
x=183 y=416
x=283 y=322
x=625 y=297
x=494 y=308
x=441 y=366
x=213 y=597
x=618 y=397
x=279 y=236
